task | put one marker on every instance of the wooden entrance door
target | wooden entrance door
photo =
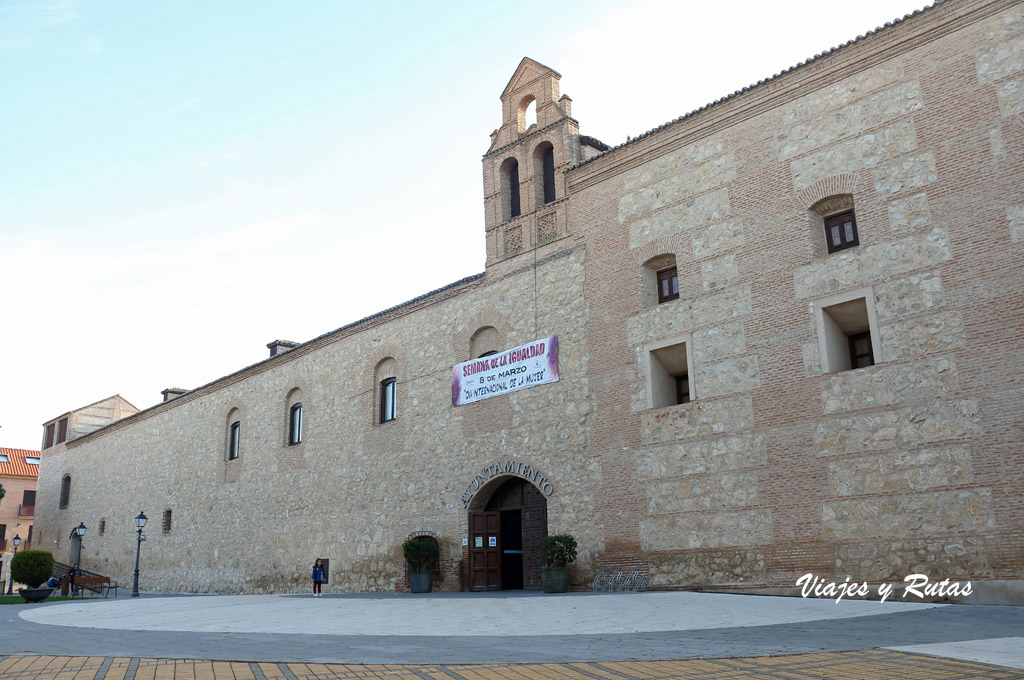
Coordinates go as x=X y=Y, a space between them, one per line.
x=485 y=551
x=520 y=520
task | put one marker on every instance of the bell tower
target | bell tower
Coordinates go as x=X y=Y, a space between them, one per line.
x=524 y=184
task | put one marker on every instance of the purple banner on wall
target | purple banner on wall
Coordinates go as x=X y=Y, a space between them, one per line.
x=534 y=363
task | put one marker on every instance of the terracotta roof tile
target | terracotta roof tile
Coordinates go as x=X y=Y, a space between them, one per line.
x=16 y=465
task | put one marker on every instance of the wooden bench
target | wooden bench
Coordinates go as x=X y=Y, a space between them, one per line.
x=94 y=584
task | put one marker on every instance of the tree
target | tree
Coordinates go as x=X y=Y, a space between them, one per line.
x=2 y=492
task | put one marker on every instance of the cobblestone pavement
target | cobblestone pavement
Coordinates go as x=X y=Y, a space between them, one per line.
x=859 y=665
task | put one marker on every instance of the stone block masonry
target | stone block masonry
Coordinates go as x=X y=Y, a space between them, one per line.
x=762 y=458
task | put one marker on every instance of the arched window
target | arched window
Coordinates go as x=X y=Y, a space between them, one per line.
x=510 y=189
x=544 y=171
x=386 y=376
x=295 y=417
x=836 y=216
x=65 y=491
x=549 y=175
x=234 y=434
x=388 y=399
x=235 y=439
x=660 y=280
x=295 y=424
x=527 y=113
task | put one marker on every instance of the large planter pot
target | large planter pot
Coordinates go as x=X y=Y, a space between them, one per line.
x=555 y=580
x=34 y=594
x=419 y=582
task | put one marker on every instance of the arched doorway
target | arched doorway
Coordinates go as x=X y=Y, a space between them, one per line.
x=504 y=537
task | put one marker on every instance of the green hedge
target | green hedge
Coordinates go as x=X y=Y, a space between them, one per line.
x=32 y=567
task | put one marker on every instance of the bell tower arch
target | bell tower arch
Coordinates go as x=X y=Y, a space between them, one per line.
x=524 y=184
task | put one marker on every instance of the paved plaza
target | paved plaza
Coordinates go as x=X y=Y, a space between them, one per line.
x=523 y=635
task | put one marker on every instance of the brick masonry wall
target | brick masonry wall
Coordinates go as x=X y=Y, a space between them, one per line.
x=775 y=468
x=358 y=489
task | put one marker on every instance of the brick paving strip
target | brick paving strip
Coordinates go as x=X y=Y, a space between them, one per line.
x=859 y=665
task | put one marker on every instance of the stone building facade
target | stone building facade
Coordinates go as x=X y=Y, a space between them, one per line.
x=786 y=327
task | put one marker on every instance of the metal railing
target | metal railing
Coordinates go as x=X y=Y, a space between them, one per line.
x=26 y=510
x=60 y=570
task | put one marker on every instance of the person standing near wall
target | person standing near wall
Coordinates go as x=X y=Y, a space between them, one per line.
x=318 y=577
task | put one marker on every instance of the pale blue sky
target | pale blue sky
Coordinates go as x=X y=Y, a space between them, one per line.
x=181 y=183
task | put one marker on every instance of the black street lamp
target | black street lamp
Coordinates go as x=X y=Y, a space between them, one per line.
x=80 y=532
x=10 y=586
x=140 y=522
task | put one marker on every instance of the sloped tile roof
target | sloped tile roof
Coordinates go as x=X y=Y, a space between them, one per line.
x=16 y=465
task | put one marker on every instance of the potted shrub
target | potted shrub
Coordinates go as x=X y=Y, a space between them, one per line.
x=421 y=556
x=559 y=550
x=33 y=568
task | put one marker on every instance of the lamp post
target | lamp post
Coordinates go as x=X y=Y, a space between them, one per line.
x=10 y=586
x=80 y=531
x=140 y=522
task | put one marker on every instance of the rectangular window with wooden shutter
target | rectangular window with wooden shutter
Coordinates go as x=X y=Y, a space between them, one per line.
x=668 y=285
x=841 y=231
